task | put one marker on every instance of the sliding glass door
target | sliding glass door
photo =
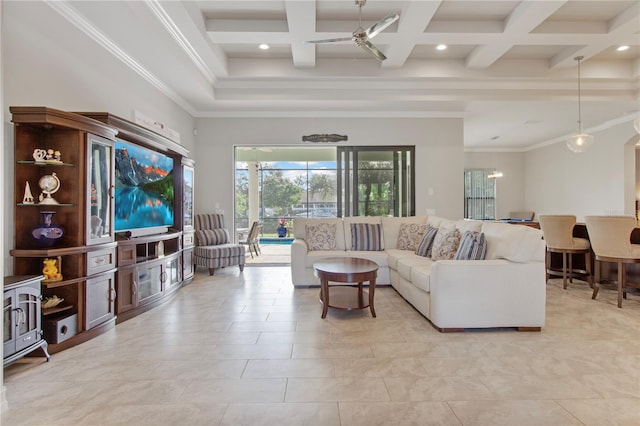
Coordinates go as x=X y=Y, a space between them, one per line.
x=376 y=181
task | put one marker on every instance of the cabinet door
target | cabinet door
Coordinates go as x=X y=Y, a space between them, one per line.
x=9 y=317
x=187 y=208
x=127 y=290
x=187 y=264
x=28 y=316
x=101 y=296
x=149 y=280
x=99 y=190
x=171 y=273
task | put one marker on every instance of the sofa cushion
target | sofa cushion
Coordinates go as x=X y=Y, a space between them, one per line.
x=212 y=237
x=421 y=277
x=441 y=223
x=314 y=256
x=366 y=237
x=379 y=257
x=321 y=236
x=391 y=228
x=464 y=225
x=426 y=243
x=410 y=235
x=473 y=246
x=406 y=264
x=393 y=255
x=445 y=244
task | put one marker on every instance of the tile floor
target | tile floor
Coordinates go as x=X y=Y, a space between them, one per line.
x=251 y=350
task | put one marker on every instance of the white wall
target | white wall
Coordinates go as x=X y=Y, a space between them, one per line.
x=45 y=66
x=595 y=182
x=510 y=195
x=439 y=153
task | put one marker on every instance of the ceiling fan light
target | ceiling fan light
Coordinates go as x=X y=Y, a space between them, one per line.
x=580 y=142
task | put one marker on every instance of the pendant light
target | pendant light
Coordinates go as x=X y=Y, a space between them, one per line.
x=580 y=142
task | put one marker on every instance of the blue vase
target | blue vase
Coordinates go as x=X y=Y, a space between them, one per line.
x=282 y=231
x=47 y=234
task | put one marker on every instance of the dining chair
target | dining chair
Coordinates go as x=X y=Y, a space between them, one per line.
x=558 y=236
x=611 y=240
x=253 y=239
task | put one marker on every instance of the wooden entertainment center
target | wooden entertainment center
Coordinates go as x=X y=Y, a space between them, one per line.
x=102 y=276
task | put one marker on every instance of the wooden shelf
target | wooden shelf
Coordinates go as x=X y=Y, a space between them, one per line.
x=44 y=164
x=51 y=252
x=56 y=309
x=46 y=205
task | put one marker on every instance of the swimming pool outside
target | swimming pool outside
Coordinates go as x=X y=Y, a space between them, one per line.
x=276 y=240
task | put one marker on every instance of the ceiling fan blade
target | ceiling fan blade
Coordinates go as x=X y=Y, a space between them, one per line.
x=330 y=40
x=371 y=48
x=382 y=24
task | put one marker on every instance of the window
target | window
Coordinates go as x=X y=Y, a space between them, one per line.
x=479 y=195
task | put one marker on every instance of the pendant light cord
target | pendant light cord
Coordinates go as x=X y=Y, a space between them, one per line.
x=579 y=58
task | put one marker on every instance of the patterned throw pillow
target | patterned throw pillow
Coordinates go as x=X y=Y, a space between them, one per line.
x=321 y=236
x=410 y=235
x=426 y=243
x=473 y=246
x=366 y=237
x=445 y=244
x=212 y=237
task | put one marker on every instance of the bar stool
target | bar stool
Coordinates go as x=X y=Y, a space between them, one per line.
x=611 y=238
x=558 y=235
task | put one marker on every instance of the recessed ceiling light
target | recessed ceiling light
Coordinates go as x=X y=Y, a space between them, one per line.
x=441 y=47
x=264 y=46
x=622 y=48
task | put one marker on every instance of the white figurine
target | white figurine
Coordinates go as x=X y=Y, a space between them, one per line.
x=28 y=197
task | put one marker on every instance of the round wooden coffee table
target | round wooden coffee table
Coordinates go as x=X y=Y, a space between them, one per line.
x=346 y=270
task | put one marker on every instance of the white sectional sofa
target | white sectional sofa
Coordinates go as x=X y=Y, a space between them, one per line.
x=506 y=289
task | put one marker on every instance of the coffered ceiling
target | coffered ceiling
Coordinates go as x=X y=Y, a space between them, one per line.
x=508 y=69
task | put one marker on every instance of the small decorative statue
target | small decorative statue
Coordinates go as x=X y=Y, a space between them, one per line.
x=50 y=270
x=28 y=196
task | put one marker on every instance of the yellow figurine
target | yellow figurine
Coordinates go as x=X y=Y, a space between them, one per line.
x=50 y=270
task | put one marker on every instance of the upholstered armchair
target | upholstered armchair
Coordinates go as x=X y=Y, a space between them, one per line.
x=558 y=236
x=213 y=247
x=611 y=241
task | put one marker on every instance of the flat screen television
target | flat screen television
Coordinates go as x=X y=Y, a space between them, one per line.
x=144 y=190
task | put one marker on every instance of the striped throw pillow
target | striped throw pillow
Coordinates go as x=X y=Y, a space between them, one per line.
x=426 y=243
x=473 y=246
x=212 y=237
x=366 y=237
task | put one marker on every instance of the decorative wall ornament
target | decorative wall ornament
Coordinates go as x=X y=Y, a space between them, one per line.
x=155 y=126
x=323 y=138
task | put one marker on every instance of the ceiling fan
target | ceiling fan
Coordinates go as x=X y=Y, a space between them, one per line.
x=362 y=37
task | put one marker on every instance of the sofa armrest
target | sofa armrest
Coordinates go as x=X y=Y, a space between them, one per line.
x=487 y=293
x=299 y=251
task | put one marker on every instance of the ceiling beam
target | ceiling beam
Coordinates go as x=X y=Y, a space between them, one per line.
x=617 y=34
x=524 y=19
x=414 y=18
